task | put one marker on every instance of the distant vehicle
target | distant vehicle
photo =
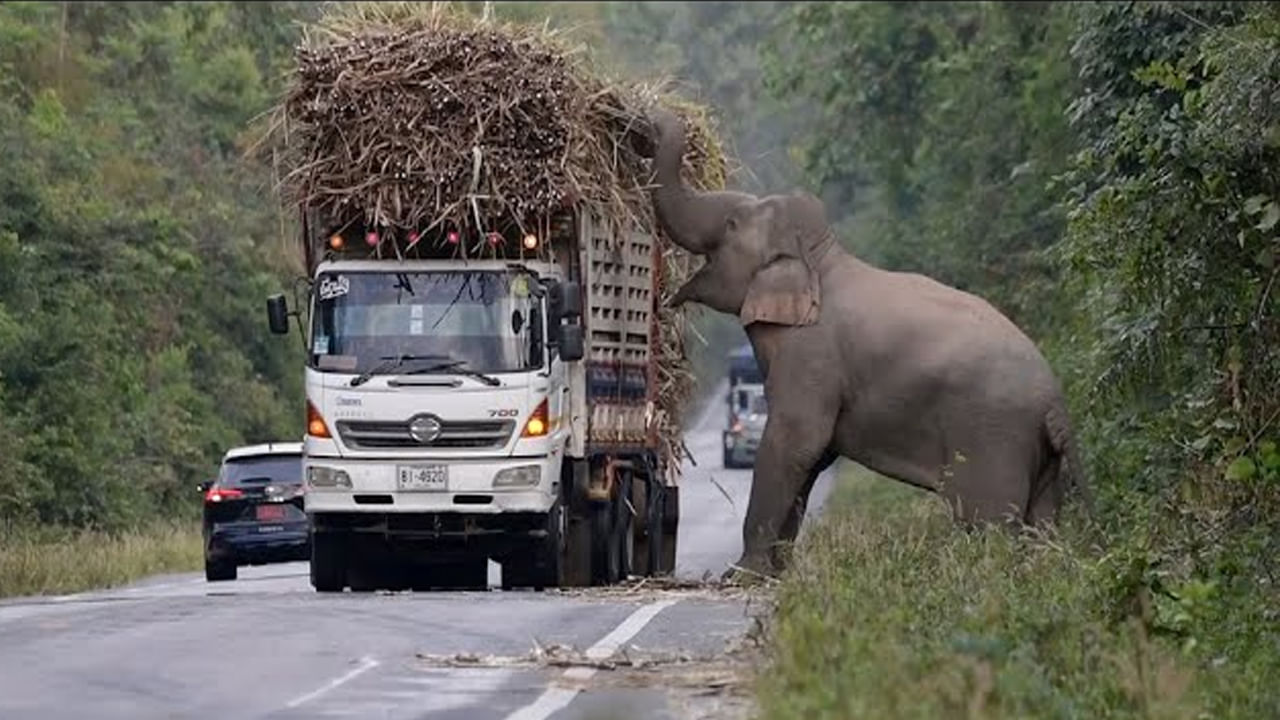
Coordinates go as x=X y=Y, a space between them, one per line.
x=743 y=367
x=253 y=511
x=746 y=409
x=748 y=412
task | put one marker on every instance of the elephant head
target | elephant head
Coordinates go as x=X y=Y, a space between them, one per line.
x=762 y=253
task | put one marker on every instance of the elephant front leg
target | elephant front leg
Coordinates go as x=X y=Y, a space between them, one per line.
x=791 y=449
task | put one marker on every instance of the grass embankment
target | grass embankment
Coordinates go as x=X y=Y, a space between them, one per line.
x=55 y=562
x=892 y=612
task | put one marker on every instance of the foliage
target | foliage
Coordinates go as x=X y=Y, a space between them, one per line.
x=54 y=561
x=135 y=251
x=892 y=611
x=940 y=124
x=1105 y=173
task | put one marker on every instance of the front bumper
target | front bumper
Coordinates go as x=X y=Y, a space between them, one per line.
x=470 y=488
x=741 y=445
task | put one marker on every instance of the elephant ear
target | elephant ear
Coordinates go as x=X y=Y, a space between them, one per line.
x=786 y=289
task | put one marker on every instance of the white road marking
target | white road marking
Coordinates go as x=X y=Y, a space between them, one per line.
x=555 y=699
x=366 y=664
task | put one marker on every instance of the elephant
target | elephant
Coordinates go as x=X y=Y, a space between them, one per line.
x=911 y=378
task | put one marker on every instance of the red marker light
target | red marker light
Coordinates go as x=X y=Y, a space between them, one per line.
x=453 y=238
x=413 y=238
x=494 y=238
x=371 y=239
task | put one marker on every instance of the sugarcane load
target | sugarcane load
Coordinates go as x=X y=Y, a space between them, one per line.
x=491 y=368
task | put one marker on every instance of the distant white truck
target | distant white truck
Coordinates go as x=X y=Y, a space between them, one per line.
x=462 y=410
x=748 y=412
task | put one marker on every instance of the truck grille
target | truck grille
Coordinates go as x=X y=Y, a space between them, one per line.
x=369 y=435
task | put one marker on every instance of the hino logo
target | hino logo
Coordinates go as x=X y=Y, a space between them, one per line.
x=424 y=428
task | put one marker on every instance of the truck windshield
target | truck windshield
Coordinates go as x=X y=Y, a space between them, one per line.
x=483 y=319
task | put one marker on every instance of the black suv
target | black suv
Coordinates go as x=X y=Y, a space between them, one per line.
x=253 y=512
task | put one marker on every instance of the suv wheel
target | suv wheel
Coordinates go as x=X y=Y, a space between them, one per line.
x=219 y=570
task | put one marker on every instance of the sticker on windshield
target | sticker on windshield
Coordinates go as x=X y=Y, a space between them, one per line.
x=334 y=288
x=415 y=312
x=320 y=346
x=415 y=327
x=520 y=286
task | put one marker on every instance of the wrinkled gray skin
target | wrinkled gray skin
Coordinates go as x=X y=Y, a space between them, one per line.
x=918 y=381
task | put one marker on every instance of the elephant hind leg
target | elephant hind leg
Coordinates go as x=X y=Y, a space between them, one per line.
x=992 y=490
x=1048 y=494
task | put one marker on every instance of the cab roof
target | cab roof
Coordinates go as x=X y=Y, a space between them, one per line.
x=277 y=448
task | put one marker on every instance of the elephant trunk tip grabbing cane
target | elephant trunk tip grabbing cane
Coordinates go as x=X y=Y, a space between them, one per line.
x=916 y=380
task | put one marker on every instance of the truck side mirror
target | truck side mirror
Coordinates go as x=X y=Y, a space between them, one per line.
x=571 y=343
x=278 y=314
x=569 y=300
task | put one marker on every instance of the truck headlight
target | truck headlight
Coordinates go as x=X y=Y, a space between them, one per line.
x=325 y=477
x=523 y=476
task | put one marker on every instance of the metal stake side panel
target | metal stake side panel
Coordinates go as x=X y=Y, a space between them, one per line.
x=619 y=285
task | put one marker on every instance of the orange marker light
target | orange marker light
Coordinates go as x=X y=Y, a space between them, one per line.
x=537 y=425
x=315 y=423
x=336 y=242
x=530 y=242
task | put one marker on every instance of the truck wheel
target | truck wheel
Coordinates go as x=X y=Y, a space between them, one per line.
x=604 y=545
x=328 y=562
x=468 y=574
x=219 y=570
x=642 y=527
x=624 y=528
x=544 y=567
x=577 y=559
x=670 y=528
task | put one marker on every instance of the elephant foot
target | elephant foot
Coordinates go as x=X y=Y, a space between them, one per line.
x=750 y=569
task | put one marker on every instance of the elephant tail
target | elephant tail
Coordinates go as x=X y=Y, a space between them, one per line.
x=1070 y=473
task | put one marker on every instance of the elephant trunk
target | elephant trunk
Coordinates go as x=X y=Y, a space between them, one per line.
x=693 y=220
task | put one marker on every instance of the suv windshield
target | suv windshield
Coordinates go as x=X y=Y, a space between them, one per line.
x=279 y=469
x=481 y=320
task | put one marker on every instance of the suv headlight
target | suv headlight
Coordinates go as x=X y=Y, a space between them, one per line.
x=523 y=476
x=325 y=477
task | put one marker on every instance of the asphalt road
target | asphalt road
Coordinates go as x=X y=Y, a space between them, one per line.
x=266 y=646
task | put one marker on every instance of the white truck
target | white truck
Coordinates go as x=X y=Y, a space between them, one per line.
x=461 y=410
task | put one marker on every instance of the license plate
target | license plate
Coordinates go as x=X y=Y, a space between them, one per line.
x=428 y=478
x=270 y=513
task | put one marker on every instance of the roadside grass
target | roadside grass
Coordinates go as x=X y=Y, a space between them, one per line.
x=51 y=562
x=890 y=611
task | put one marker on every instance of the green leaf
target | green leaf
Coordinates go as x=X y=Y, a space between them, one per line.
x=1270 y=216
x=1242 y=468
x=1200 y=443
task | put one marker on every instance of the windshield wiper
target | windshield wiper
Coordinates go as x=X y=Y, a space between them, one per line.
x=389 y=362
x=456 y=366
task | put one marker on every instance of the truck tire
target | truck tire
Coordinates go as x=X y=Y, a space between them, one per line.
x=670 y=528
x=328 y=562
x=219 y=570
x=643 y=527
x=544 y=566
x=605 y=549
x=624 y=527
x=467 y=574
x=577 y=551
